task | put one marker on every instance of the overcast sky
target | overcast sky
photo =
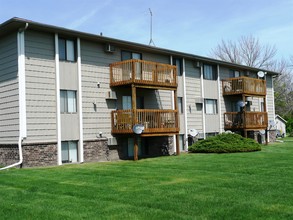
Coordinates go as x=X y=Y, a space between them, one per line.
x=192 y=26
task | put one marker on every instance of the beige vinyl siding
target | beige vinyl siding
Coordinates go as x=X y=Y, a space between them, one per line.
x=40 y=86
x=9 y=105
x=270 y=98
x=95 y=68
x=193 y=91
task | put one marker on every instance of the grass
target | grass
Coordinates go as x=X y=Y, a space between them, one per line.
x=254 y=185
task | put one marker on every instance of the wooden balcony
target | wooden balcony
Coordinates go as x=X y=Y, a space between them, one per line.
x=156 y=121
x=244 y=85
x=245 y=120
x=143 y=73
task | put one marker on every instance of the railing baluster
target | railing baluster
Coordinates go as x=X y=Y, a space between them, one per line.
x=140 y=71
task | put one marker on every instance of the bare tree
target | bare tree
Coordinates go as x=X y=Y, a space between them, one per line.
x=247 y=51
x=283 y=87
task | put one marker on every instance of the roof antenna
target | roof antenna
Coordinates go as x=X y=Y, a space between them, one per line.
x=151 y=30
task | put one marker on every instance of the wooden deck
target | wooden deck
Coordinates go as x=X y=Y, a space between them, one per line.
x=245 y=120
x=244 y=85
x=143 y=73
x=156 y=121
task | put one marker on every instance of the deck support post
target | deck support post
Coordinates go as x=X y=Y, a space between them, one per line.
x=134 y=121
x=135 y=148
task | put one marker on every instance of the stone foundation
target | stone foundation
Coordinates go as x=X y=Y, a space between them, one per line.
x=8 y=154
x=272 y=135
x=45 y=154
x=98 y=150
x=33 y=155
x=39 y=155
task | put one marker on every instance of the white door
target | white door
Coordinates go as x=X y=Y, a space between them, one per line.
x=126 y=102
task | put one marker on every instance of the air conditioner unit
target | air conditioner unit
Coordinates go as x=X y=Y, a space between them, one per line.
x=111 y=95
x=112 y=141
x=200 y=135
x=109 y=48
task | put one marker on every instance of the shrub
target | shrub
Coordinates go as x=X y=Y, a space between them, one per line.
x=225 y=143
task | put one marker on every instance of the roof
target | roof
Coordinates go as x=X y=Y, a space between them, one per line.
x=280 y=118
x=15 y=24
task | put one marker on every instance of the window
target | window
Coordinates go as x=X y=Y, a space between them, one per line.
x=67 y=101
x=178 y=63
x=211 y=106
x=69 y=151
x=235 y=107
x=262 y=107
x=126 y=102
x=128 y=55
x=180 y=105
x=209 y=72
x=67 y=50
x=234 y=74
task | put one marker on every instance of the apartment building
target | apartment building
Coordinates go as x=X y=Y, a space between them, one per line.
x=69 y=97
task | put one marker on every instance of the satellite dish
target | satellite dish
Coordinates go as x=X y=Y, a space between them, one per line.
x=262 y=132
x=193 y=132
x=138 y=128
x=241 y=103
x=260 y=74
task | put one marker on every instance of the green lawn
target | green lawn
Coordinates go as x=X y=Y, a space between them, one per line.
x=254 y=185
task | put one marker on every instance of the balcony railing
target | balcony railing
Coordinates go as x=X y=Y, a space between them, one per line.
x=245 y=120
x=143 y=73
x=155 y=121
x=244 y=85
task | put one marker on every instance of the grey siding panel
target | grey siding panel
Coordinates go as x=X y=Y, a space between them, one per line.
x=9 y=105
x=210 y=89
x=70 y=130
x=211 y=92
x=156 y=58
x=40 y=86
x=68 y=76
x=193 y=91
x=212 y=123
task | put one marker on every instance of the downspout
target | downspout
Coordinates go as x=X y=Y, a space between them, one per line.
x=203 y=104
x=184 y=105
x=58 y=116
x=20 y=156
x=22 y=109
x=173 y=107
x=81 y=157
x=220 y=101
